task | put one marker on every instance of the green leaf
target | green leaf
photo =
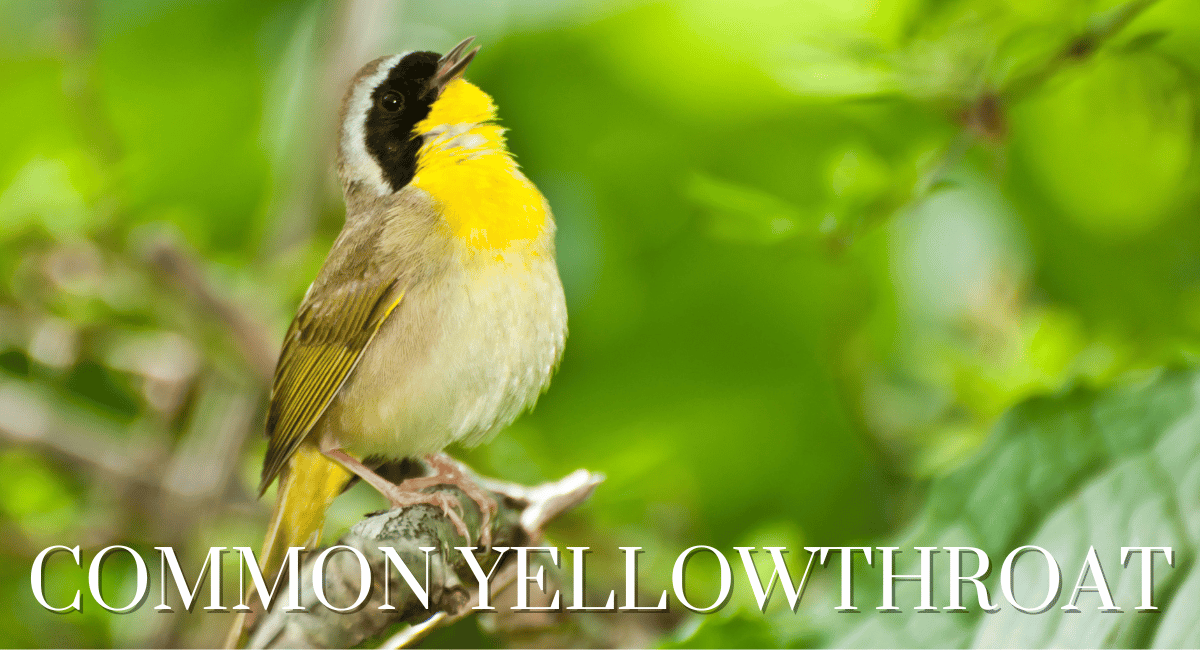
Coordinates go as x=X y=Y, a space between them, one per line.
x=1085 y=468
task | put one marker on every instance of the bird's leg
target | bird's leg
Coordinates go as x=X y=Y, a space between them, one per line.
x=404 y=495
x=446 y=471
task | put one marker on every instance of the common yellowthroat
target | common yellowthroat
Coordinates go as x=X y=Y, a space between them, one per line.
x=438 y=316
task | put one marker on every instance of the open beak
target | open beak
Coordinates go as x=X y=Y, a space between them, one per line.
x=452 y=65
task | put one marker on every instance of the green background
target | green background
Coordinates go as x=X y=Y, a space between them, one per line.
x=838 y=272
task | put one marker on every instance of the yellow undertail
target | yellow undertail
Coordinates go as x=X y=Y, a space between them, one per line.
x=307 y=487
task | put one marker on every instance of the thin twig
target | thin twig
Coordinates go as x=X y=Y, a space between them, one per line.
x=1078 y=49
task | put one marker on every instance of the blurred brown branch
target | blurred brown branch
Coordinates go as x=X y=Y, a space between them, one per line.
x=248 y=334
x=34 y=420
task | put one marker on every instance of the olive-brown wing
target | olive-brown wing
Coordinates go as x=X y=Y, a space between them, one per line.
x=322 y=347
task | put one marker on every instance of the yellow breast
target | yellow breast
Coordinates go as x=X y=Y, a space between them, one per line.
x=464 y=165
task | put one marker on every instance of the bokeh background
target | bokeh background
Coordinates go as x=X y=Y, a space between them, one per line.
x=813 y=250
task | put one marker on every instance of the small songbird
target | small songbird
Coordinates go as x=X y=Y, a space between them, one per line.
x=438 y=316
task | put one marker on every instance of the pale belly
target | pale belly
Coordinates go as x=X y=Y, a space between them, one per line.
x=459 y=359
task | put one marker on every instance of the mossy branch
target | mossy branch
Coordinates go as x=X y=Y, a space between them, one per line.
x=523 y=512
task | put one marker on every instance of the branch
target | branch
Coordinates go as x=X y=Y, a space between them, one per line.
x=1080 y=48
x=523 y=512
x=30 y=417
x=985 y=116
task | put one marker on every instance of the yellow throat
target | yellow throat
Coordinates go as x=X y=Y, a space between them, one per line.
x=486 y=201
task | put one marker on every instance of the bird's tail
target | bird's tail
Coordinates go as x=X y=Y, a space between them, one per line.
x=307 y=487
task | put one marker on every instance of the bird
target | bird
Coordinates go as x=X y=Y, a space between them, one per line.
x=438 y=316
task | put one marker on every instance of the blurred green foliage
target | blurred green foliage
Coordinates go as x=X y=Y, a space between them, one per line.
x=812 y=250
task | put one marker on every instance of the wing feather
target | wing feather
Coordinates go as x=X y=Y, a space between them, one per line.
x=322 y=347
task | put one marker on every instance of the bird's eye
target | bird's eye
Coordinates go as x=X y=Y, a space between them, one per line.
x=391 y=101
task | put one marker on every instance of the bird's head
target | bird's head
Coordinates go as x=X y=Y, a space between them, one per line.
x=397 y=103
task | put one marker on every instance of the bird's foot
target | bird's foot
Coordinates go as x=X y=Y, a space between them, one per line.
x=447 y=471
x=409 y=492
